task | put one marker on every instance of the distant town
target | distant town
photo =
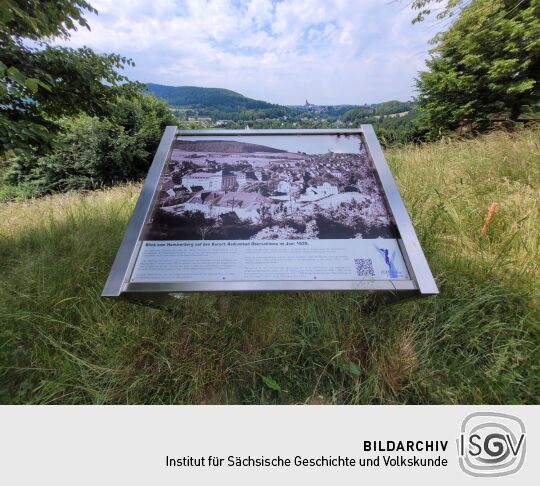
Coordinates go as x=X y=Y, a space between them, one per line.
x=297 y=115
x=235 y=190
x=195 y=107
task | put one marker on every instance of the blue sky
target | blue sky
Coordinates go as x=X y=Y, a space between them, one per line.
x=328 y=51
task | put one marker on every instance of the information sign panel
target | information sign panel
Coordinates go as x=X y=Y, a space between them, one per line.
x=269 y=210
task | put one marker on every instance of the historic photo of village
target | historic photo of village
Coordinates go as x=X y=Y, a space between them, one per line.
x=231 y=190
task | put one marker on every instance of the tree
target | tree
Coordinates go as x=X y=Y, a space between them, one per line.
x=442 y=8
x=91 y=152
x=40 y=83
x=486 y=64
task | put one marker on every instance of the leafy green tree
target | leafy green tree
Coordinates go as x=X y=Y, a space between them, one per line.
x=39 y=82
x=486 y=64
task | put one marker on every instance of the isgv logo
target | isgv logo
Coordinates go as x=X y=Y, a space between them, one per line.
x=491 y=444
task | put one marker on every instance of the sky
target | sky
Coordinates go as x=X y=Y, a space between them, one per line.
x=287 y=51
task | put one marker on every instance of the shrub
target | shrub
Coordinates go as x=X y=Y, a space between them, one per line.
x=93 y=152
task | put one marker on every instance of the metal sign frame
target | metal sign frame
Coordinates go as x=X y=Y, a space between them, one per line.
x=118 y=284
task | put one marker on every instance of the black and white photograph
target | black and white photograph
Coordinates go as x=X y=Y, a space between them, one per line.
x=290 y=188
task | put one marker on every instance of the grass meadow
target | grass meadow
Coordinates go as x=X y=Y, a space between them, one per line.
x=477 y=342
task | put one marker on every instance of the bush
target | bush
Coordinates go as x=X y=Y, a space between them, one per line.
x=94 y=152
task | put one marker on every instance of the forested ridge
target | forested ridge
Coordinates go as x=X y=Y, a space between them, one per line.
x=197 y=97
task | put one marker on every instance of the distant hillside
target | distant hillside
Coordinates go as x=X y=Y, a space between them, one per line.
x=387 y=108
x=196 y=97
x=223 y=146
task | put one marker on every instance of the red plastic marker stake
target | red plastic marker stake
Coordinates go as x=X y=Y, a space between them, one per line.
x=490 y=214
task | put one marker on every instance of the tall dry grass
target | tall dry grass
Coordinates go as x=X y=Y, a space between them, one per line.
x=449 y=187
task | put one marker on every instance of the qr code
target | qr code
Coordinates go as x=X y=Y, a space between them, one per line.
x=364 y=267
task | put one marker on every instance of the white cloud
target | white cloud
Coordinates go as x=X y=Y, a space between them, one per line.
x=329 y=51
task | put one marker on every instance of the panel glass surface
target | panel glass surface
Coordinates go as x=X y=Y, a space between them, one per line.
x=268 y=207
